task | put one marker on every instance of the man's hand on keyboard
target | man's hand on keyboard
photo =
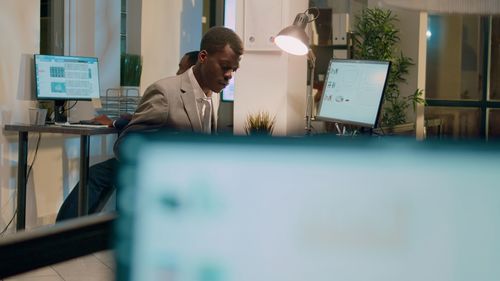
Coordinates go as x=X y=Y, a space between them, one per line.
x=103 y=119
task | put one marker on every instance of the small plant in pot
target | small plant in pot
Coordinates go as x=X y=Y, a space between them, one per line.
x=260 y=123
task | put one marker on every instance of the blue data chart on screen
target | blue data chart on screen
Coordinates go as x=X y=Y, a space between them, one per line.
x=353 y=91
x=66 y=77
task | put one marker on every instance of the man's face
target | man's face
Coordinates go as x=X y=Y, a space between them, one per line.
x=184 y=65
x=218 y=68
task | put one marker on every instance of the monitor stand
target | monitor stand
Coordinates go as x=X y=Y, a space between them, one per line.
x=59 y=116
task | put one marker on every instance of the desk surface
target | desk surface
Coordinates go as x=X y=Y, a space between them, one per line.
x=59 y=129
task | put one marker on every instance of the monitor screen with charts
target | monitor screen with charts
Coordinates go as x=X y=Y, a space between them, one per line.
x=66 y=78
x=353 y=92
x=242 y=208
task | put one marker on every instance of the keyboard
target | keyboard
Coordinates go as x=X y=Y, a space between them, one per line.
x=86 y=122
x=79 y=125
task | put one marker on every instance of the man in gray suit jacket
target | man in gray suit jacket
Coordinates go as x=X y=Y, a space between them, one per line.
x=176 y=103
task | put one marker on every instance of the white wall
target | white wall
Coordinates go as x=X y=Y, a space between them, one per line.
x=160 y=33
x=20 y=29
x=271 y=80
x=134 y=18
x=95 y=31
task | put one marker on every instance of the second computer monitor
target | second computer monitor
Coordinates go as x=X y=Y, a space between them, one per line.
x=63 y=78
x=353 y=92
x=66 y=77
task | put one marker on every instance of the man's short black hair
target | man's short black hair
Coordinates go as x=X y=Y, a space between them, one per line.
x=218 y=37
x=192 y=57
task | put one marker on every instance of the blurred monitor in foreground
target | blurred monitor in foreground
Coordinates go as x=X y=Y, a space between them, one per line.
x=224 y=209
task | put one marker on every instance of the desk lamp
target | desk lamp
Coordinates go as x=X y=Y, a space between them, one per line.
x=294 y=40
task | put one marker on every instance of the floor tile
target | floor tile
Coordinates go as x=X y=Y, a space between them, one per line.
x=43 y=274
x=36 y=278
x=95 y=267
x=106 y=257
x=87 y=268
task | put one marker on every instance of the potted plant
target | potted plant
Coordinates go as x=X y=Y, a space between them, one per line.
x=259 y=123
x=376 y=37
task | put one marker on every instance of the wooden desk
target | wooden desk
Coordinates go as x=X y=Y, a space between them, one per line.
x=84 y=132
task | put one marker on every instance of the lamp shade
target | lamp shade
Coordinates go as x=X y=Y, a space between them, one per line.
x=486 y=7
x=293 y=39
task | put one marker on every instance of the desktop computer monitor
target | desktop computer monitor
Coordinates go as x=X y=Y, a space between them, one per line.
x=62 y=78
x=353 y=92
x=242 y=208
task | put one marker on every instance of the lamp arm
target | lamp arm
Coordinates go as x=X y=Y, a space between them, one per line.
x=311 y=64
x=311 y=58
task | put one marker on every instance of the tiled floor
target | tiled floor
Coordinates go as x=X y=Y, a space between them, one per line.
x=96 y=267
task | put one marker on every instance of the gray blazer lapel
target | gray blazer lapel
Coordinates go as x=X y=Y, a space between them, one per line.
x=189 y=101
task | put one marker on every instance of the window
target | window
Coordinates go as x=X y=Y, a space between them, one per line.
x=123 y=27
x=463 y=55
x=52 y=27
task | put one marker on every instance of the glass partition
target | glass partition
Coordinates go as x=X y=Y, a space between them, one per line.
x=457 y=122
x=495 y=59
x=463 y=66
x=454 y=58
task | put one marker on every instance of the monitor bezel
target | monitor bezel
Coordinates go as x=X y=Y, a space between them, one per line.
x=350 y=122
x=35 y=68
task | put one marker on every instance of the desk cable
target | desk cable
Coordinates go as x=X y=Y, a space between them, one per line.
x=27 y=177
x=69 y=108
